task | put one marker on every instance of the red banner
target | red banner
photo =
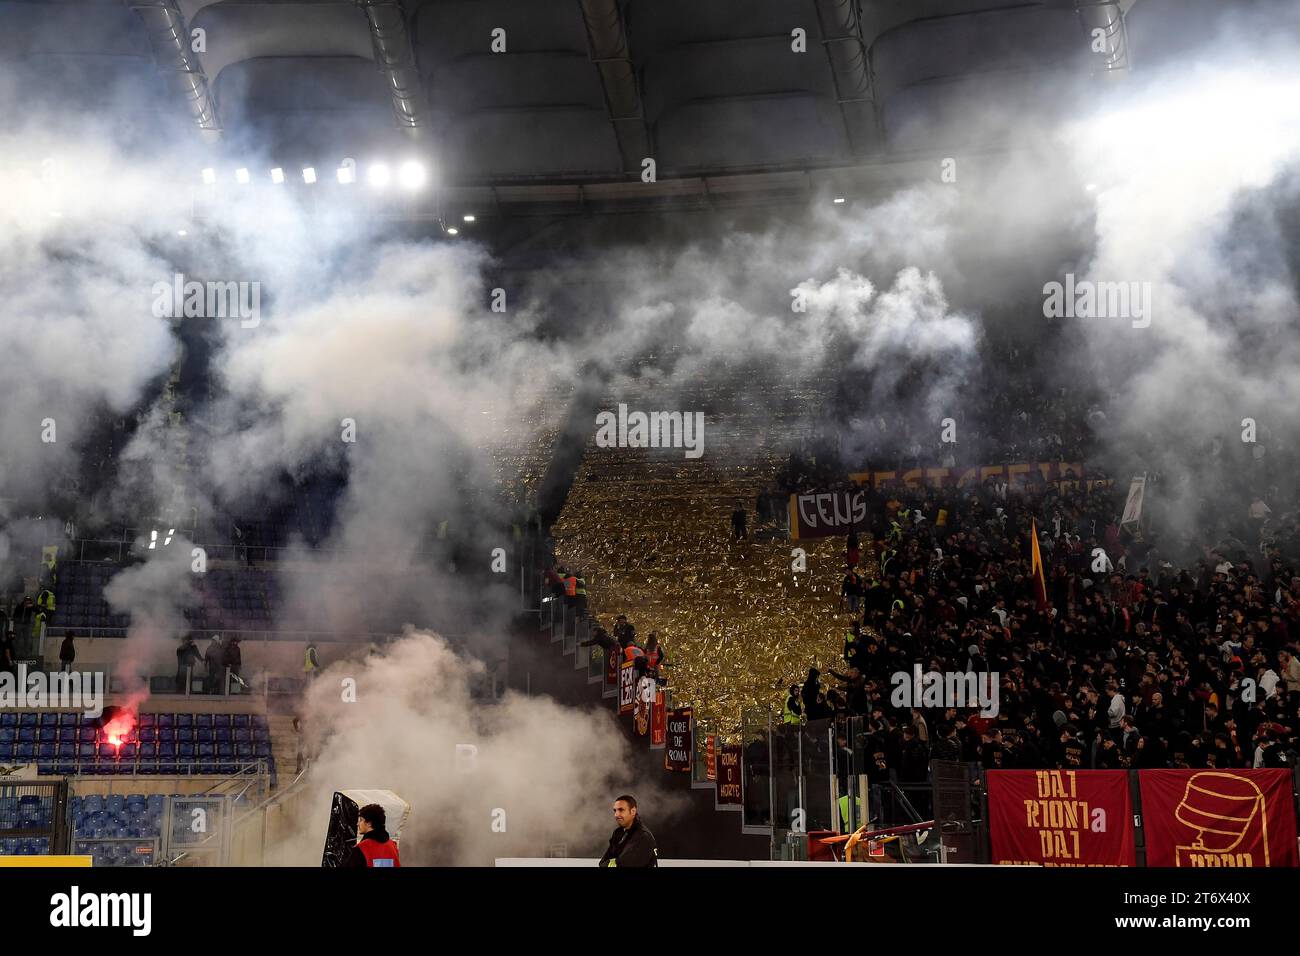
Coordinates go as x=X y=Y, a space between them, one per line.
x=710 y=757
x=1061 y=817
x=1218 y=817
x=729 y=774
x=658 y=722
x=679 y=750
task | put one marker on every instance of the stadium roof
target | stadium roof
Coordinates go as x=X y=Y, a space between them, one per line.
x=575 y=94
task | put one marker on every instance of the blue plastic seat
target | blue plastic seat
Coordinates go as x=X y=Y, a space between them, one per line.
x=167 y=734
x=8 y=735
x=45 y=752
x=24 y=751
x=49 y=719
x=166 y=720
x=27 y=735
x=184 y=720
x=8 y=719
x=203 y=735
x=185 y=750
x=27 y=719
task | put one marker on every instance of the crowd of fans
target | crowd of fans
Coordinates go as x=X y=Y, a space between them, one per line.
x=1133 y=660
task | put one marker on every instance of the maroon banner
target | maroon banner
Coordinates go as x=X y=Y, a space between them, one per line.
x=1218 y=817
x=711 y=757
x=611 y=668
x=1061 y=817
x=679 y=750
x=826 y=514
x=626 y=688
x=658 y=722
x=729 y=774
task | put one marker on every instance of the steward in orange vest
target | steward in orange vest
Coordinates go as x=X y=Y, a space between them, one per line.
x=375 y=848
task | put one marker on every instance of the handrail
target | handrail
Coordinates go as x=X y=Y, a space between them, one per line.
x=283 y=792
x=257 y=763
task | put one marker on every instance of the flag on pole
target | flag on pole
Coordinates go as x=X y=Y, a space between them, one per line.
x=1036 y=567
x=1133 y=506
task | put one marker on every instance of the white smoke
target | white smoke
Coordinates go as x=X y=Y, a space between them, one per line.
x=483 y=782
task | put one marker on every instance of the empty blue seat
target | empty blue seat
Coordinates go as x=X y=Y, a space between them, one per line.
x=45 y=752
x=240 y=720
x=262 y=749
x=93 y=803
x=242 y=735
x=128 y=751
x=220 y=721
x=184 y=720
x=8 y=719
x=85 y=750
x=203 y=735
x=147 y=720
x=8 y=735
x=167 y=733
x=65 y=766
x=148 y=751
x=147 y=765
x=222 y=734
x=148 y=734
x=27 y=719
x=24 y=751
x=49 y=719
x=86 y=734
x=27 y=735
x=207 y=751
x=166 y=720
x=244 y=751
x=185 y=750
x=47 y=734
x=203 y=720
x=66 y=749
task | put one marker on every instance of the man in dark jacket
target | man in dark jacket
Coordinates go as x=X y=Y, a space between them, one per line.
x=632 y=844
x=375 y=848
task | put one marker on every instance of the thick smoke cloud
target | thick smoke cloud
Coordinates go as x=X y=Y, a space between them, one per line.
x=482 y=782
x=396 y=335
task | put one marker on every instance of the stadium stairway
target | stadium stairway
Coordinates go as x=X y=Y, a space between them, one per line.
x=702 y=829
